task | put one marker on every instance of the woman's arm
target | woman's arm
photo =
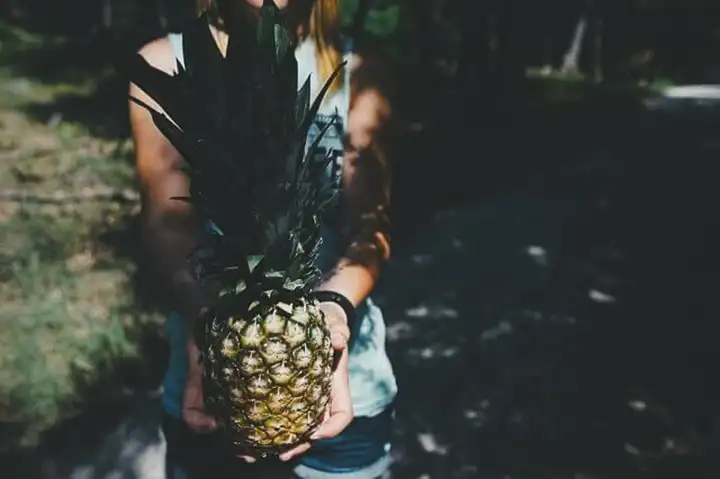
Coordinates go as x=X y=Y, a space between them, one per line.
x=168 y=226
x=366 y=184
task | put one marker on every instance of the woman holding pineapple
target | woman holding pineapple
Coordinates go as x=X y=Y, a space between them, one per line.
x=353 y=439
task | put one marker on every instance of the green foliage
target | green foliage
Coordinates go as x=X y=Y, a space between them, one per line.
x=62 y=320
x=382 y=21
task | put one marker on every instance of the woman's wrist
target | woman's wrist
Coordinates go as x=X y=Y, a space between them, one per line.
x=335 y=308
x=337 y=302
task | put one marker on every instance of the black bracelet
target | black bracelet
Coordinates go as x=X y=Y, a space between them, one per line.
x=347 y=307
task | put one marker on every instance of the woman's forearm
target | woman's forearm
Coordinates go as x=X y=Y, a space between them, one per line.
x=352 y=280
x=169 y=241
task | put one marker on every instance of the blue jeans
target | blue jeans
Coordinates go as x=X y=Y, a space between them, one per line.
x=361 y=451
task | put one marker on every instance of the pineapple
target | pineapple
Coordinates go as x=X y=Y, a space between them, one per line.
x=269 y=372
x=240 y=122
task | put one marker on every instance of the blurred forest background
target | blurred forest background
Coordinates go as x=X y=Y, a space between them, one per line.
x=590 y=356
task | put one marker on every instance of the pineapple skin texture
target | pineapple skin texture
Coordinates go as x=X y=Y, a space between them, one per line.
x=268 y=374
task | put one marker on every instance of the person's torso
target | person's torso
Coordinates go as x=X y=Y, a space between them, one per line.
x=334 y=108
x=372 y=380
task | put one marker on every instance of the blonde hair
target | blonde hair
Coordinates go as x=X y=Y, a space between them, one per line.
x=323 y=27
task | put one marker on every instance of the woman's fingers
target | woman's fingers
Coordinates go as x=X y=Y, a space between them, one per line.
x=335 y=425
x=341 y=408
x=339 y=337
x=198 y=421
x=337 y=323
x=296 y=451
x=193 y=410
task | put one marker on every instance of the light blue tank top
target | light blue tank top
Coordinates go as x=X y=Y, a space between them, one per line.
x=372 y=381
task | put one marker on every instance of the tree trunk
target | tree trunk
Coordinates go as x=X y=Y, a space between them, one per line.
x=422 y=72
x=357 y=29
x=513 y=26
x=571 y=60
x=474 y=57
x=107 y=14
x=598 y=76
x=12 y=9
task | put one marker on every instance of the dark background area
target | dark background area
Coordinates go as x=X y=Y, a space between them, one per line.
x=551 y=302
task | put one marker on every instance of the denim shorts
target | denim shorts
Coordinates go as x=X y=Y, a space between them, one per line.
x=361 y=451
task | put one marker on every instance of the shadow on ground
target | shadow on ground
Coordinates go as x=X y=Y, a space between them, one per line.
x=563 y=328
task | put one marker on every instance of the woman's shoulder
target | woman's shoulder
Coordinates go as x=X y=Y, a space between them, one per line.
x=370 y=67
x=370 y=52
x=159 y=54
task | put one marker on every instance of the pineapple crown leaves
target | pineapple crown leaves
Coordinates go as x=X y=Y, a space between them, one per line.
x=241 y=124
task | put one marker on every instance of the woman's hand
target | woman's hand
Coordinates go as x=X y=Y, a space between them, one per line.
x=340 y=413
x=337 y=322
x=193 y=401
x=193 y=407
